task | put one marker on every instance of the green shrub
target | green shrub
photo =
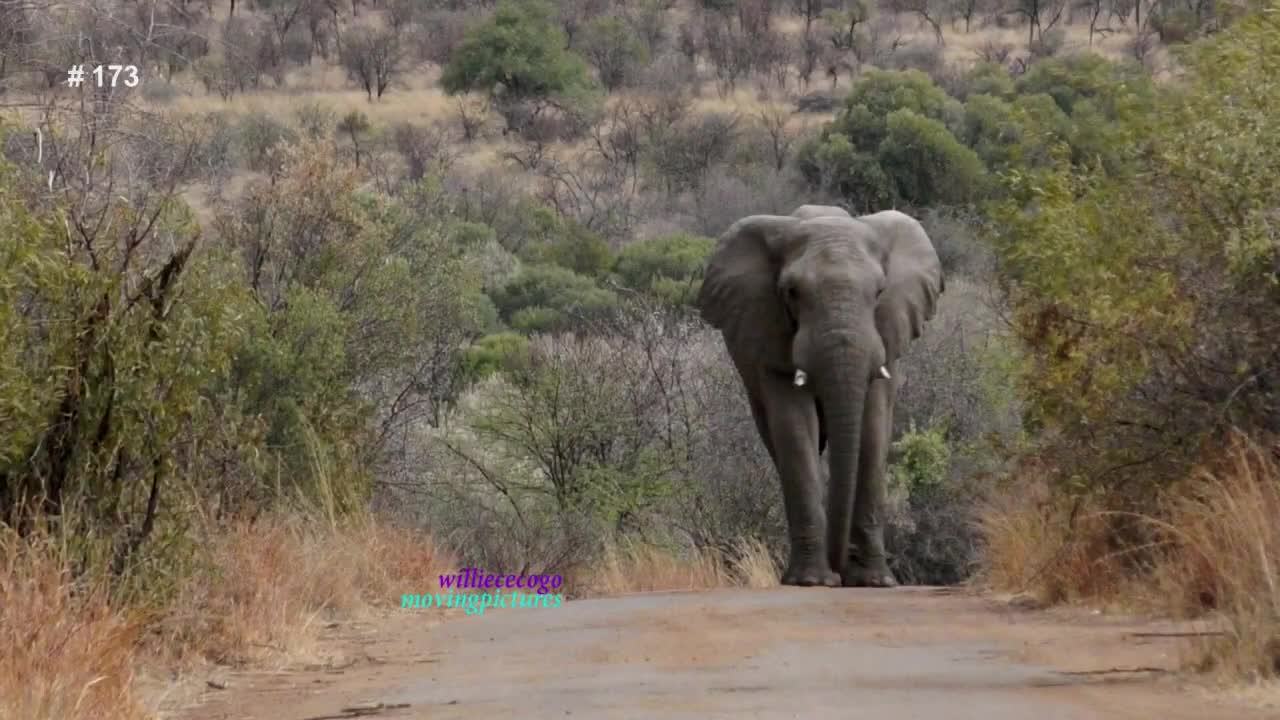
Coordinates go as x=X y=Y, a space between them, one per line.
x=669 y=261
x=548 y=297
x=567 y=243
x=537 y=319
x=471 y=235
x=494 y=353
x=921 y=459
x=989 y=78
x=1119 y=88
x=992 y=129
x=260 y=138
x=929 y=533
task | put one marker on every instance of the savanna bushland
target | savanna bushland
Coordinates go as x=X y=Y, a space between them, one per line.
x=344 y=294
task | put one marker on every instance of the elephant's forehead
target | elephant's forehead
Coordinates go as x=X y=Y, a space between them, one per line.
x=838 y=249
x=844 y=239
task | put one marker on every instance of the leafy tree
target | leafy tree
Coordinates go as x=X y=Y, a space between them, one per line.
x=261 y=138
x=879 y=93
x=519 y=54
x=926 y=164
x=1148 y=307
x=843 y=20
x=372 y=58
x=354 y=125
x=366 y=304
x=932 y=12
x=893 y=142
x=613 y=49
x=838 y=167
x=111 y=340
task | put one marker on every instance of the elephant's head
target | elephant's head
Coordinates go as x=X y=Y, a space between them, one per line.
x=835 y=297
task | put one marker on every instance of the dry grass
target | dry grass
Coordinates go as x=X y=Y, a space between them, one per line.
x=269 y=583
x=1223 y=556
x=639 y=567
x=962 y=46
x=416 y=98
x=755 y=567
x=65 y=653
x=1033 y=545
x=255 y=597
x=1212 y=552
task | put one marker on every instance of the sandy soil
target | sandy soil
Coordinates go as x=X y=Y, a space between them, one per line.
x=779 y=653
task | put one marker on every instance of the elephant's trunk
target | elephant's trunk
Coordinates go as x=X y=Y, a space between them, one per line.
x=846 y=374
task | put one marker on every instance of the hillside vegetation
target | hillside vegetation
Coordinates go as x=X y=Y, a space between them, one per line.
x=344 y=295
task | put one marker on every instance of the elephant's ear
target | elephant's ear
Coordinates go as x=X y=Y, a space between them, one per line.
x=913 y=281
x=739 y=287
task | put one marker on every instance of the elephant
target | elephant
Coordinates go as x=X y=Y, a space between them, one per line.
x=816 y=309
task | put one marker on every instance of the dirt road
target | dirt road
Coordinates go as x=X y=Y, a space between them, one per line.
x=781 y=653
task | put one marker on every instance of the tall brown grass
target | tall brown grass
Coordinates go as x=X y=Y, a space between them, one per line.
x=269 y=583
x=1210 y=550
x=1222 y=557
x=69 y=648
x=65 y=652
x=1046 y=546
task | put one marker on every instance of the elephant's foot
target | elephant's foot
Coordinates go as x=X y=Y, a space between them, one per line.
x=809 y=575
x=872 y=574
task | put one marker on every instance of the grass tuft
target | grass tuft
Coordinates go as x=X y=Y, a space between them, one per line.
x=1221 y=558
x=65 y=652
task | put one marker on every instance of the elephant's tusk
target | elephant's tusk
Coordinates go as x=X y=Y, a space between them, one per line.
x=884 y=373
x=800 y=378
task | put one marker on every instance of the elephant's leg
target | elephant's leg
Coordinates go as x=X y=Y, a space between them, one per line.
x=868 y=563
x=761 y=417
x=756 y=400
x=793 y=429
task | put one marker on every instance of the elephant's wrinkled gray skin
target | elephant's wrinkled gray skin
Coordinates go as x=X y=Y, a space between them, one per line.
x=837 y=298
